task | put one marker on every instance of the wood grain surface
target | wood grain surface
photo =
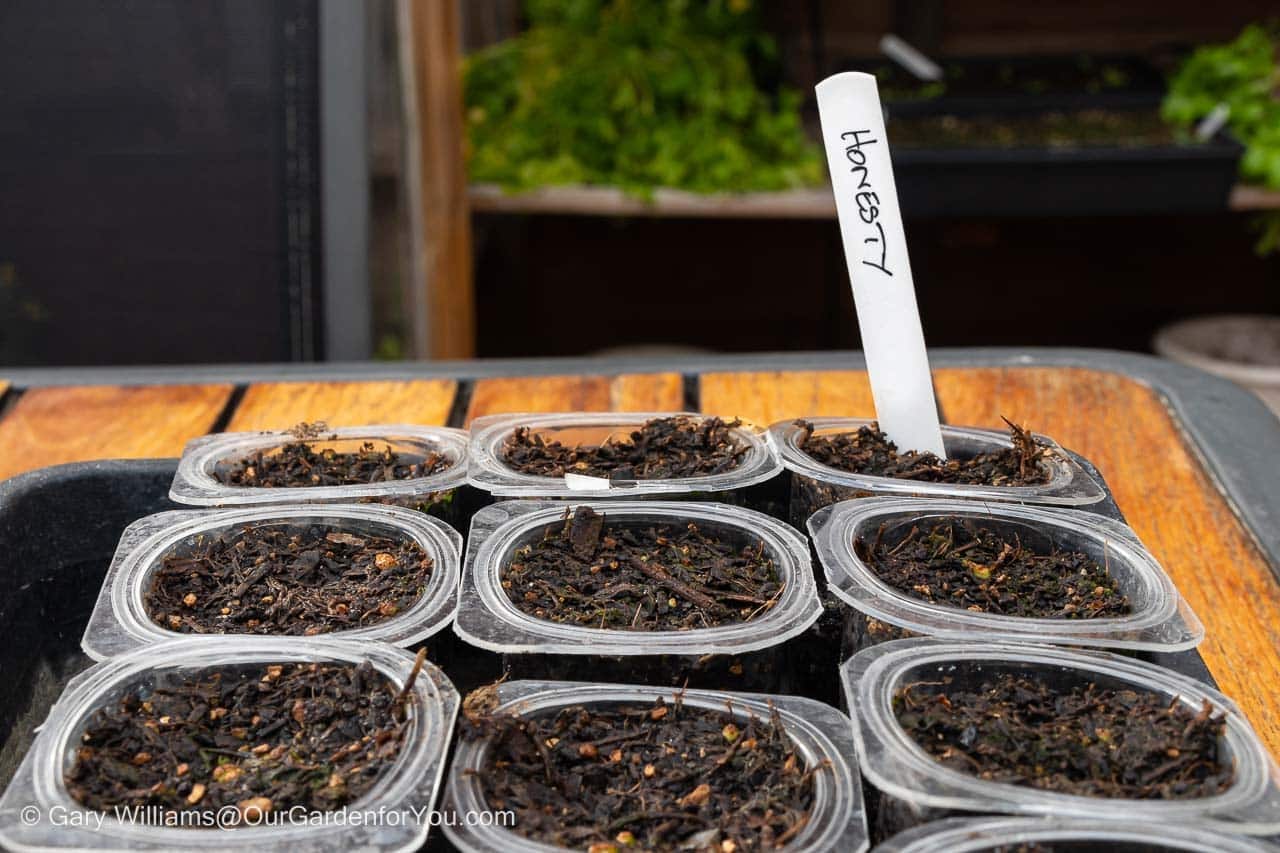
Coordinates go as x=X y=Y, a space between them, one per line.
x=1126 y=430
x=638 y=392
x=48 y=426
x=281 y=405
x=442 y=293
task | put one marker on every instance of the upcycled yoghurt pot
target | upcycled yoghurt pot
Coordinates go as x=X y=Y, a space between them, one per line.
x=120 y=622
x=1067 y=835
x=914 y=788
x=487 y=470
x=195 y=483
x=820 y=733
x=1160 y=620
x=37 y=793
x=814 y=485
x=744 y=653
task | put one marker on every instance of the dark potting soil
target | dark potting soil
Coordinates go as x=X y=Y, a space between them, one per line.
x=869 y=451
x=260 y=738
x=299 y=464
x=277 y=580
x=1055 y=130
x=960 y=564
x=640 y=577
x=658 y=777
x=1083 y=740
x=663 y=448
x=1021 y=76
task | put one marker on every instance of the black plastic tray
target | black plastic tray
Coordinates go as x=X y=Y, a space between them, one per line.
x=1085 y=181
x=1088 y=180
x=58 y=529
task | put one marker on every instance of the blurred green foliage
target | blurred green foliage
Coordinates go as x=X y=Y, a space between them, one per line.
x=1244 y=75
x=638 y=94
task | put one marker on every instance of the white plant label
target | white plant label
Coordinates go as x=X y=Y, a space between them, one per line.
x=875 y=249
x=583 y=483
x=910 y=58
x=1213 y=122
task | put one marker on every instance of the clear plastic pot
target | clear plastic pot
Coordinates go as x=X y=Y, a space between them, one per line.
x=195 y=484
x=814 y=485
x=914 y=788
x=1065 y=835
x=487 y=470
x=1160 y=622
x=120 y=622
x=728 y=656
x=37 y=793
x=820 y=733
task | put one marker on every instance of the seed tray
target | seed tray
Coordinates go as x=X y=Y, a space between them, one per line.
x=59 y=527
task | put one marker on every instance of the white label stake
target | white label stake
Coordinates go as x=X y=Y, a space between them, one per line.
x=875 y=248
x=906 y=55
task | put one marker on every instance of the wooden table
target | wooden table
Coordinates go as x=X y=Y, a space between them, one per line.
x=1190 y=459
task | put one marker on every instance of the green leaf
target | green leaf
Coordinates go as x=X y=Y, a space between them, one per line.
x=637 y=94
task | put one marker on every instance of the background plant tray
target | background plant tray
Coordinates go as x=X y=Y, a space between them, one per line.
x=1096 y=179
x=1092 y=180
x=1020 y=84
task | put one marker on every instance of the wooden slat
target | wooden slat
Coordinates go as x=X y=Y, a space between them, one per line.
x=48 y=426
x=641 y=392
x=444 y=316
x=767 y=397
x=281 y=405
x=1127 y=431
x=807 y=203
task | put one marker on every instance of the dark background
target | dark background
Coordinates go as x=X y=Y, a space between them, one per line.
x=158 y=175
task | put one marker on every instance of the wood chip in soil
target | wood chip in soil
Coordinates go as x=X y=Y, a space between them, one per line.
x=299 y=464
x=961 y=564
x=292 y=580
x=1080 y=739
x=661 y=449
x=664 y=776
x=595 y=573
x=869 y=451
x=262 y=737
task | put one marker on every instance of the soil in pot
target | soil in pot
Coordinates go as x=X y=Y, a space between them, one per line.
x=661 y=449
x=960 y=564
x=1082 y=739
x=868 y=450
x=1057 y=130
x=1021 y=76
x=299 y=463
x=273 y=579
x=640 y=577
x=260 y=738
x=666 y=776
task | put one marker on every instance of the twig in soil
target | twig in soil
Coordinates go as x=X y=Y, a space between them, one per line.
x=869 y=451
x=640 y=576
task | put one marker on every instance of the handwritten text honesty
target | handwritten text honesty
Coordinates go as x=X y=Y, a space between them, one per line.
x=877 y=249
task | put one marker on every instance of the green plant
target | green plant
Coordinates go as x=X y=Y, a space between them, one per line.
x=1243 y=75
x=638 y=94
